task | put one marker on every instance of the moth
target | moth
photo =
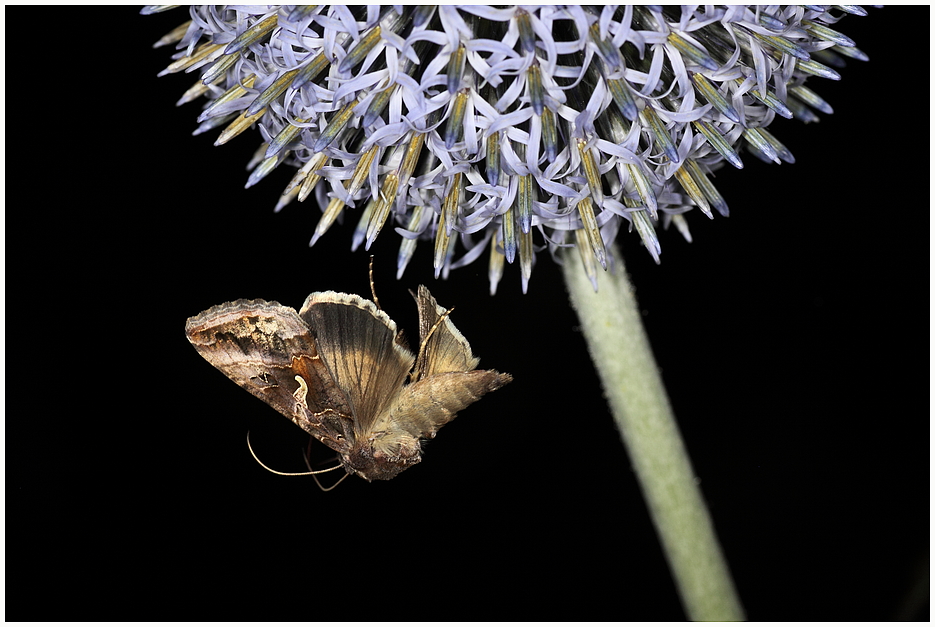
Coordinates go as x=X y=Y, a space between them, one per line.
x=338 y=368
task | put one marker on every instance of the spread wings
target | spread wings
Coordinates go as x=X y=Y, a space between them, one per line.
x=337 y=370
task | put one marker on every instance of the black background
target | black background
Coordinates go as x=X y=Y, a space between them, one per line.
x=792 y=339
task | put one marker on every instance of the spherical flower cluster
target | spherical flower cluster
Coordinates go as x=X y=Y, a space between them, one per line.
x=482 y=126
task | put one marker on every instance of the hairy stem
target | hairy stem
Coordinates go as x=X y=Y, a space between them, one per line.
x=624 y=361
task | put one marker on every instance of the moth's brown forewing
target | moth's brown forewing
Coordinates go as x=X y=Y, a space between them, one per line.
x=337 y=370
x=269 y=351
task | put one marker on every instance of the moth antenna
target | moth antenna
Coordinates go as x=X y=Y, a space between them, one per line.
x=324 y=489
x=373 y=290
x=428 y=335
x=289 y=474
x=321 y=487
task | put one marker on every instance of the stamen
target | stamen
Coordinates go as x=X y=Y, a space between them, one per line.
x=710 y=93
x=591 y=172
x=524 y=200
x=643 y=188
x=332 y=211
x=549 y=134
x=271 y=93
x=317 y=162
x=759 y=142
x=536 y=91
x=381 y=207
x=356 y=55
x=238 y=126
x=691 y=187
x=455 y=128
x=707 y=188
x=253 y=34
x=693 y=53
x=446 y=221
x=718 y=142
x=592 y=231
x=335 y=125
x=408 y=244
x=622 y=98
x=493 y=158
x=661 y=136
x=495 y=267
x=527 y=35
x=456 y=67
x=286 y=136
x=202 y=54
x=588 y=260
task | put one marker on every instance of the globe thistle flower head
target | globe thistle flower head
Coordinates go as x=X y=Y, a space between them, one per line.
x=508 y=131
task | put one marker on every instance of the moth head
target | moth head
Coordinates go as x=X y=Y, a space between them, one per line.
x=383 y=455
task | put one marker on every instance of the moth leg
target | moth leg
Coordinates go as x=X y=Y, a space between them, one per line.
x=308 y=465
x=324 y=489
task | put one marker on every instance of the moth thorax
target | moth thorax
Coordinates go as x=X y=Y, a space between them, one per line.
x=378 y=459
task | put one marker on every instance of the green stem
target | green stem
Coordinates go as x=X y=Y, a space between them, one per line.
x=624 y=361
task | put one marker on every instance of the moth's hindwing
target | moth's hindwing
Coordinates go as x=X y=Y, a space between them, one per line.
x=358 y=343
